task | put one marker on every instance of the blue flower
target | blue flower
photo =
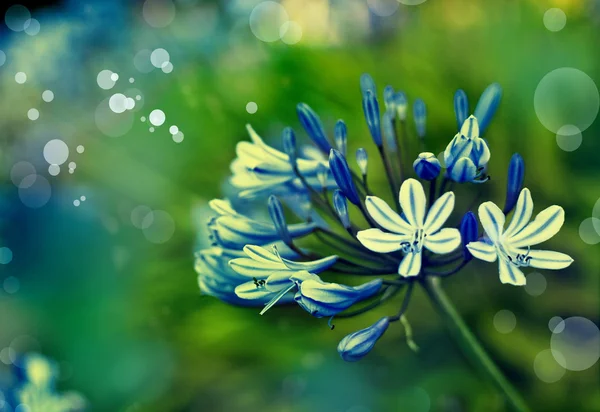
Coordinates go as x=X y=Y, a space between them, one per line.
x=487 y=105
x=260 y=170
x=468 y=232
x=512 y=247
x=323 y=299
x=414 y=231
x=343 y=176
x=420 y=115
x=467 y=154
x=427 y=166
x=358 y=344
x=461 y=107
x=516 y=175
x=232 y=230
x=314 y=128
x=340 y=136
x=371 y=110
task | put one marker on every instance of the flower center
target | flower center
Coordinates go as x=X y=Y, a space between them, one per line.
x=416 y=244
x=519 y=260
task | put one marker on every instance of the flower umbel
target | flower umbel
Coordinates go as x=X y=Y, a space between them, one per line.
x=347 y=230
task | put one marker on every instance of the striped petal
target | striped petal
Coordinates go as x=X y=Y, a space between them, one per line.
x=386 y=217
x=464 y=170
x=250 y=290
x=439 y=213
x=410 y=265
x=253 y=269
x=492 y=220
x=444 y=241
x=413 y=202
x=545 y=225
x=547 y=259
x=381 y=242
x=522 y=214
x=483 y=251
x=470 y=128
x=260 y=254
x=510 y=273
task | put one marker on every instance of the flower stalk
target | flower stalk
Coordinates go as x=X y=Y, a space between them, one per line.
x=469 y=343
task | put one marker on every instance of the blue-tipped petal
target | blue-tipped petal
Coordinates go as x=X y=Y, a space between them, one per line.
x=343 y=177
x=371 y=110
x=388 y=131
x=487 y=105
x=468 y=232
x=461 y=107
x=420 y=116
x=401 y=103
x=312 y=124
x=367 y=84
x=278 y=218
x=355 y=346
x=289 y=143
x=340 y=136
x=427 y=166
x=516 y=174
x=362 y=160
x=341 y=207
x=322 y=299
x=388 y=100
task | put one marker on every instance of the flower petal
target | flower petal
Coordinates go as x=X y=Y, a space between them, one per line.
x=470 y=127
x=510 y=273
x=545 y=225
x=483 y=251
x=548 y=259
x=464 y=170
x=381 y=242
x=444 y=241
x=250 y=290
x=410 y=265
x=386 y=217
x=522 y=214
x=253 y=269
x=439 y=213
x=413 y=202
x=260 y=254
x=492 y=220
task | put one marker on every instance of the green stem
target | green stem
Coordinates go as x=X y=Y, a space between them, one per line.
x=469 y=343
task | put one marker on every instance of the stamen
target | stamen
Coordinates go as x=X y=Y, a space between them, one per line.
x=277 y=297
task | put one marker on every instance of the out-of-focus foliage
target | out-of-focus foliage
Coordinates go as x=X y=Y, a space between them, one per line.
x=125 y=317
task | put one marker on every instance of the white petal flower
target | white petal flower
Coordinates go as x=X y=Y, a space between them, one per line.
x=416 y=230
x=512 y=247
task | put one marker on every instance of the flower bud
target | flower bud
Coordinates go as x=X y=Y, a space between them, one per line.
x=463 y=170
x=289 y=143
x=388 y=99
x=487 y=105
x=340 y=136
x=468 y=233
x=420 y=116
x=341 y=207
x=362 y=160
x=278 y=218
x=312 y=124
x=401 y=104
x=367 y=84
x=388 y=130
x=427 y=166
x=516 y=174
x=343 y=177
x=371 y=109
x=358 y=344
x=461 y=107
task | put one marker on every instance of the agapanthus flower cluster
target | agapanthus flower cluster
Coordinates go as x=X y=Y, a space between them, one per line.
x=33 y=388
x=343 y=230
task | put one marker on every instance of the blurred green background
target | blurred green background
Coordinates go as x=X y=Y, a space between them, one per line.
x=123 y=315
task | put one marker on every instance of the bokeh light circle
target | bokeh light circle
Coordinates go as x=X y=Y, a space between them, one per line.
x=20 y=78
x=536 y=284
x=104 y=79
x=157 y=117
x=556 y=324
x=11 y=285
x=167 y=67
x=251 y=107
x=48 y=96
x=178 y=137
x=266 y=20
x=290 y=32
x=32 y=27
x=20 y=171
x=118 y=103
x=141 y=61
x=35 y=191
x=110 y=123
x=56 y=152
x=546 y=366
x=33 y=114
x=159 y=13
x=138 y=214
x=588 y=232
x=555 y=19
x=2 y=58
x=158 y=226
x=17 y=17
x=566 y=96
x=569 y=138
x=6 y=255
x=577 y=346
x=596 y=216
x=159 y=57
x=383 y=8
x=53 y=170
x=505 y=321
x=412 y=2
